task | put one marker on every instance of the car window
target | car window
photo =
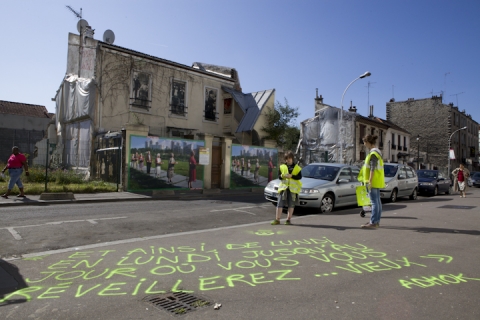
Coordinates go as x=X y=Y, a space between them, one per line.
x=401 y=174
x=323 y=172
x=440 y=176
x=345 y=174
x=389 y=170
x=355 y=173
x=410 y=173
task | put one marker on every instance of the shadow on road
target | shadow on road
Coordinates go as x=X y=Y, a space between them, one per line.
x=415 y=229
x=10 y=281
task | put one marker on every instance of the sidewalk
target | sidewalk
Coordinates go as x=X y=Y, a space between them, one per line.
x=13 y=200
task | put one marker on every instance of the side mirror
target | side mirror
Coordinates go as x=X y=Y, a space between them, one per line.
x=343 y=181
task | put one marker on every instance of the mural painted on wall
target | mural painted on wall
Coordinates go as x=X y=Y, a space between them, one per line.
x=211 y=104
x=141 y=89
x=253 y=166
x=164 y=163
x=178 y=98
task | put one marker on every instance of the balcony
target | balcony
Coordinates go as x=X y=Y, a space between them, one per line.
x=404 y=148
x=394 y=146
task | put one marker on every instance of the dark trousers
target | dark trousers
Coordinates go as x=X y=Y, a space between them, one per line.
x=149 y=164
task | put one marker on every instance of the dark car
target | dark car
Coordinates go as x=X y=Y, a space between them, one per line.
x=474 y=179
x=433 y=182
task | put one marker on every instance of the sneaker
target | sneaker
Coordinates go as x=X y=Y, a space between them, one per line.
x=275 y=222
x=370 y=225
x=288 y=222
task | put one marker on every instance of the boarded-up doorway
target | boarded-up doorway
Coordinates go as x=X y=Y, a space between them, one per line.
x=216 y=166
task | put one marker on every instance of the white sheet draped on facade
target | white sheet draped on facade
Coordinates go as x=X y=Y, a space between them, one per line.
x=75 y=104
x=322 y=135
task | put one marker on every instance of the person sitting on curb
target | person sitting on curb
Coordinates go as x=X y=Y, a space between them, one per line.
x=15 y=165
x=289 y=188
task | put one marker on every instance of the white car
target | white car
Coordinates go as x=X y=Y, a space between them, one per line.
x=325 y=186
x=400 y=181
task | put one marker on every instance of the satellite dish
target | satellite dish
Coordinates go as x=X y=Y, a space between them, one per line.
x=108 y=36
x=81 y=25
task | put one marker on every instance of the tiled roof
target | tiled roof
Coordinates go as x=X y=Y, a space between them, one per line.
x=24 y=109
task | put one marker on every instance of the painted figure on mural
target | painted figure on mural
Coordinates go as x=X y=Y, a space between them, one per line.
x=158 y=162
x=270 y=169
x=133 y=161
x=192 y=171
x=210 y=105
x=171 y=168
x=248 y=168
x=255 y=173
x=243 y=165
x=140 y=161
x=148 y=161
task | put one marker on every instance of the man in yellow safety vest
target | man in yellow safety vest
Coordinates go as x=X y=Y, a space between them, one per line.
x=289 y=188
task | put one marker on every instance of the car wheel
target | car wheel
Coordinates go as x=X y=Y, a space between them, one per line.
x=414 y=194
x=449 y=190
x=327 y=204
x=435 y=191
x=393 y=196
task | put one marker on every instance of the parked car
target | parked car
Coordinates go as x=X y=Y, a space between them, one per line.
x=474 y=180
x=400 y=181
x=433 y=182
x=325 y=186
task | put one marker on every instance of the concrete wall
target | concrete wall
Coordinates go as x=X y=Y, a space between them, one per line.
x=433 y=121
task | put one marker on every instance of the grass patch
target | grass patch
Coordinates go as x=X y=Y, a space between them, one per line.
x=58 y=181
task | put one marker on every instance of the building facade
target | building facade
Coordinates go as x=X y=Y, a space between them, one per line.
x=113 y=92
x=433 y=125
x=22 y=125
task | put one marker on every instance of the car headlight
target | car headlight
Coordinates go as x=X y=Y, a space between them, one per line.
x=308 y=190
x=270 y=185
x=386 y=185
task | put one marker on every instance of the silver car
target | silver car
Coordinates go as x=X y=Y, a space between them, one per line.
x=325 y=186
x=401 y=181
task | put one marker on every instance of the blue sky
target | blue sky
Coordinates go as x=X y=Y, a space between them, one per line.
x=413 y=48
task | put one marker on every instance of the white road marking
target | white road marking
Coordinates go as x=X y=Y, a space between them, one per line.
x=17 y=236
x=238 y=209
x=14 y=234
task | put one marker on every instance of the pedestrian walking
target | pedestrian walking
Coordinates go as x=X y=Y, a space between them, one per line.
x=461 y=174
x=289 y=188
x=373 y=176
x=15 y=165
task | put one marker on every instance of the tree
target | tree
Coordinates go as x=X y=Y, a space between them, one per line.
x=281 y=126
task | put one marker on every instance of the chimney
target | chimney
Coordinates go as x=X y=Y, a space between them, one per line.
x=352 y=108
x=371 y=111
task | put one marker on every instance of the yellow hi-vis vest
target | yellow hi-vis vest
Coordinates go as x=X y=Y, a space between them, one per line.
x=295 y=186
x=378 y=180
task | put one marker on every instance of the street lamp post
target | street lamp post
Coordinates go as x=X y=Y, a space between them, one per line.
x=449 y=146
x=418 y=152
x=340 y=156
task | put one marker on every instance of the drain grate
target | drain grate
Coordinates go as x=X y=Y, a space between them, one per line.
x=176 y=303
x=450 y=206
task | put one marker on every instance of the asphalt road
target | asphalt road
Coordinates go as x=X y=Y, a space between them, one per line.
x=422 y=263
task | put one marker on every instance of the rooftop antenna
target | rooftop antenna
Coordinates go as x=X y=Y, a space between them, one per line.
x=368 y=92
x=78 y=15
x=445 y=84
x=456 y=95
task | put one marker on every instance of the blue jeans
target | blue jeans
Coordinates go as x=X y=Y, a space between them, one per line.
x=374 y=195
x=15 y=178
